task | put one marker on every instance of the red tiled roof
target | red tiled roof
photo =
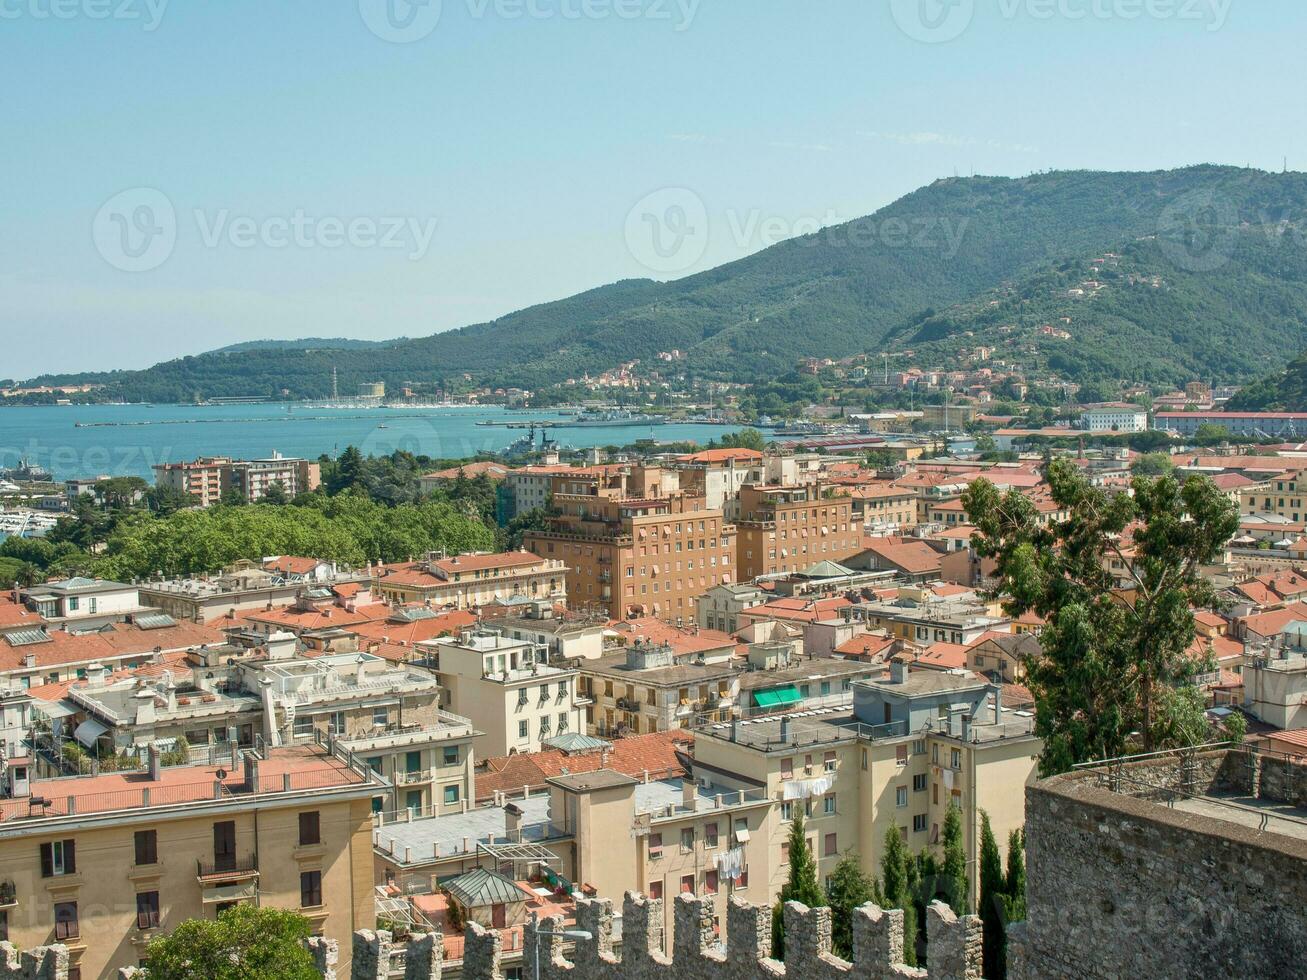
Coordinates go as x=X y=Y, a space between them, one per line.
x=495 y=471
x=682 y=641
x=720 y=456
x=415 y=573
x=866 y=646
x=291 y=565
x=15 y=614
x=654 y=753
x=446 y=624
x=943 y=656
x=912 y=556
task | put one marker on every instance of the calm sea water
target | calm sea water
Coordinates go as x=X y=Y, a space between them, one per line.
x=127 y=440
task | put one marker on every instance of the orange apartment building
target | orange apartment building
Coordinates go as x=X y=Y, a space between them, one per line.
x=634 y=544
x=790 y=528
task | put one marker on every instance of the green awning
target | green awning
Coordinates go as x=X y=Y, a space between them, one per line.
x=777 y=697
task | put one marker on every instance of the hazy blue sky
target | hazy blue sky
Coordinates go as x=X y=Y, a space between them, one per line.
x=180 y=175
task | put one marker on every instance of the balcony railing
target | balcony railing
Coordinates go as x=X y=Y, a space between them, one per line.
x=228 y=866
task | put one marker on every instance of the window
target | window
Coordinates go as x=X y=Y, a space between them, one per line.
x=919 y=747
x=828 y=762
x=785 y=852
x=65 y=921
x=901 y=754
x=787 y=769
x=828 y=804
x=919 y=782
x=955 y=759
x=687 y=884
x=310 y=831
x=934 y=754
x=310 y=889
x=655 y=889
x=58 y=858
x=864 y=759
x=147 y=846
x=451 y=795
x=829 y=847
x=451 y=755
x=900 y=796
x=710 y=883
x=147 y=910
x=655 y=846
x=710 y=835
x=521 y=729
x=224 y=845
x=919 y=823
x=303 y=726
x=562 y=721
x=787 y=810
x=687 y=840
x=521 y=697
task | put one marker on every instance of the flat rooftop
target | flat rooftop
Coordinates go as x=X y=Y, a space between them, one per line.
x=425 y=839
x=284 y=770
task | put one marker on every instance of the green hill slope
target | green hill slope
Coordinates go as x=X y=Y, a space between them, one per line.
x=859 y=286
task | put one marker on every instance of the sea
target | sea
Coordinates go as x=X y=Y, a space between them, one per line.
x=83 y=441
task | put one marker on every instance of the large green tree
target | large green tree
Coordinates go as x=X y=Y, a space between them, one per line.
x=801 y=886
x=1112 y=658
x=992 y=897
x=952 y=882
x=849 y=887
x=243 y=943
x=897 y=882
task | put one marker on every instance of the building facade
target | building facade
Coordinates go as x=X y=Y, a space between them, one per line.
x=787 y=528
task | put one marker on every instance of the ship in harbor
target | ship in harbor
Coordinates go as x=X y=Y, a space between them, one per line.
x=611 y=418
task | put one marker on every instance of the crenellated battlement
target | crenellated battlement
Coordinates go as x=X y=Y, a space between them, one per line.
x=955 y=946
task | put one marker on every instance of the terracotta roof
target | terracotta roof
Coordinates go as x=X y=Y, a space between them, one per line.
x=655 y=753
x=943 y=656
x=721 y=456
x=1205 y=617
x=805 y=610
x=911 y=556
x=1273 y=623
x=446 y=624
x=496 y=471
x=119 y=641
x=15 y=614
x=415 y=573
x=315 y=619
x=291 y=565
x=682 y=641
x=865 y=646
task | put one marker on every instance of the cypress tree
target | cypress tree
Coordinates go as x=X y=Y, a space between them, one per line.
x=992 y=900
x=849 y=888
x=954 y=869
x=802 y=885
x=896 y=874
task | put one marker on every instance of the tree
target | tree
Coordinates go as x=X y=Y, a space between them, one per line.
x=1152 y=464
x=744 y=439
x=991 y=900
x=1208 y=434
x=276 y=494
x=802 y=885
x=1110 y=659
x=953 y=883
x=897 y=879
x=244 y=943
x=232 y=497
x=849 y=888
x=1014 y=885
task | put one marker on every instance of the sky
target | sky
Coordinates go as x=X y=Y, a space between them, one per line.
x=178 y=175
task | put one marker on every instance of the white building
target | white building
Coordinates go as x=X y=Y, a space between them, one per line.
x=1114 y=418
x=508 y=689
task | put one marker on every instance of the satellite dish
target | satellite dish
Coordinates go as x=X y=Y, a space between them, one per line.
x=221 y=774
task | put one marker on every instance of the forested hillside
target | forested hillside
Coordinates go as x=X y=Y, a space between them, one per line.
x=1226 y=242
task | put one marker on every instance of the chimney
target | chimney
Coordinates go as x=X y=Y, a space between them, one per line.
x=251 y=762
x=785 y=730
x=689 y=795
x=156 y=762
x=966 y=728
x=735 y=729
x=998 y=702
x=898 y=672
x=512 y=821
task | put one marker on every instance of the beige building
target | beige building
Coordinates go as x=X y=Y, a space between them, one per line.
x=467 y=581
x=884 y=508
x=105 y=863
x=508 y=689
x=787 y=528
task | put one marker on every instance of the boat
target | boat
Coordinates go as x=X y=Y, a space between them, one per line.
x=615 y=417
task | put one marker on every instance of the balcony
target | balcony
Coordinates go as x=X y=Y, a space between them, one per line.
x=409 y=778
x=229 y=867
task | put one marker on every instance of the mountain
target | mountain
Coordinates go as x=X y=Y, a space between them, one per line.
x=1224 y=241
x=1283 y=391
x=307 y=344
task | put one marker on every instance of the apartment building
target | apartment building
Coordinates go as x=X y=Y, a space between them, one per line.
x=471 y=580
x=205 y=478
x=209 y=477
x=883 y=508
x=922 y=618
x=105 y=863
x=719 y=608
x=787 y=528
x=507 y=688
x=1285 y=496
x=83 y=600
x=203 y=599
x=645 y=688
x=223 y=699
x=637 y=556
x=1114 y=418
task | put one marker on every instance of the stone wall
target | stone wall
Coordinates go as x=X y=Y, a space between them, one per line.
x=1119 y=886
